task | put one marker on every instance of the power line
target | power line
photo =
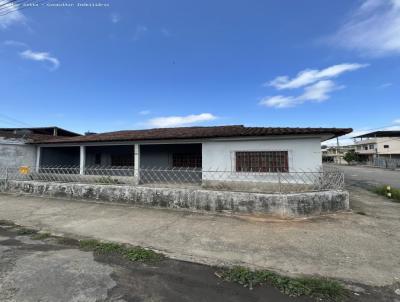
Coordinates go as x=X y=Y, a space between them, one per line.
x=367 y=130
x=13 y=120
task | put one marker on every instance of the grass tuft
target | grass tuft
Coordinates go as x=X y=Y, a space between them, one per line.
x=66 y=241
x=382 y=190
x=26 y=231
x=107 y=180
x=136 y=253
x=41 y=236
x=319 y=288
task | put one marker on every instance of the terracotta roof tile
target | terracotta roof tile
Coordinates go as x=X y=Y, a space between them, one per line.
x=195 y=133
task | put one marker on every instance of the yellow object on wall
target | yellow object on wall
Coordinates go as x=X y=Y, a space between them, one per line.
x=24 y=170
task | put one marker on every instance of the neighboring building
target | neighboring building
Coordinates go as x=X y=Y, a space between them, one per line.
x=335 y=154
x=16 y=144
x=378 y=144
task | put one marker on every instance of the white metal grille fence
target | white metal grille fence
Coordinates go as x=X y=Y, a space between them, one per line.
x=325 y=178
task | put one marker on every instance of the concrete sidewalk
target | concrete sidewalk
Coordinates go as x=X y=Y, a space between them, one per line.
x=348 y=246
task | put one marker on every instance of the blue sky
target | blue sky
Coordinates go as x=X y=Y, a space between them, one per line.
x=141 y=64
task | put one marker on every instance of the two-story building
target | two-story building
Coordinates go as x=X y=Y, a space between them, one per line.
x=335 y=154
x=378 y=144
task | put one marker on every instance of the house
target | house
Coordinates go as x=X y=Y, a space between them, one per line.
x=17 y=144
x=222 y=168
x=335 y=154
x=208 y=149
x=378 y=144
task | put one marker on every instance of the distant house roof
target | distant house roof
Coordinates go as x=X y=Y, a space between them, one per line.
x=380 y=134
x=30 y=137
x=52 y=130
x=197 y=133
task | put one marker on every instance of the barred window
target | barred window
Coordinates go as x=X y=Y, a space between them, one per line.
x=262 y=161
x=186 y=160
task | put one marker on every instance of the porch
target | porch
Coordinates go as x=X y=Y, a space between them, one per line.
x=135 y=164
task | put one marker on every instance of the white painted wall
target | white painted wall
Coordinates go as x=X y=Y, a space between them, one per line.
x=392 y=142
x=304 y=154
x=15 y=153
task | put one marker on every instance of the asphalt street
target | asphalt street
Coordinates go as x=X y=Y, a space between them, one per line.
x=366 y=177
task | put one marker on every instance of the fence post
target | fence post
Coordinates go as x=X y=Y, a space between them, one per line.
x=343 y=184
x=279 y=182
x=6 y=178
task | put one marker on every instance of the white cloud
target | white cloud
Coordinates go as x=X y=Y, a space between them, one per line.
x=40 y=56
x=115 y=18
x=316 y=84
x=13 y=17
x=15 y=43
x=385 y=85
x=309 y=76
x=392 y=128
x=139 y=32
x=396 y=121
x=144 y=112
x=372 y=30
x=175 y=121
x=279 y=101
x=317 y=92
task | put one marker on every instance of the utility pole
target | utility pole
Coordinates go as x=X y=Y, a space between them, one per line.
x=337 y=150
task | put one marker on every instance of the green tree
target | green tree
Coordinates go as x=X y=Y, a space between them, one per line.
x=351 y=156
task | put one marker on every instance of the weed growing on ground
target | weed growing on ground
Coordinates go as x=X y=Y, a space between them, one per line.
x=26 y=231
x=382 y=190
x=107 y=180
x=136 y=253
x=41 y=236
x=320 y=288
x=66 y=241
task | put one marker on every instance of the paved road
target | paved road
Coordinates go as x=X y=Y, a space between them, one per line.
x=299 y=246
x=44 y=270
x=366 y=177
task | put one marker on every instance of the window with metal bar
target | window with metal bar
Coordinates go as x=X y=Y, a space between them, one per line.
x=186 y=160
x=262 y=161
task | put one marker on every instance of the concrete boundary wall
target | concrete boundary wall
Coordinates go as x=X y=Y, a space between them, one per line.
x=285 y=205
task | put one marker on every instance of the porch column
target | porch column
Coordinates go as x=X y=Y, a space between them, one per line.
x=38 y=154
x=82 y=159
x=136 y=172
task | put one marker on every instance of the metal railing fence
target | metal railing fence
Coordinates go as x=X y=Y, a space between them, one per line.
x=323 y=178
x=384 y=162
